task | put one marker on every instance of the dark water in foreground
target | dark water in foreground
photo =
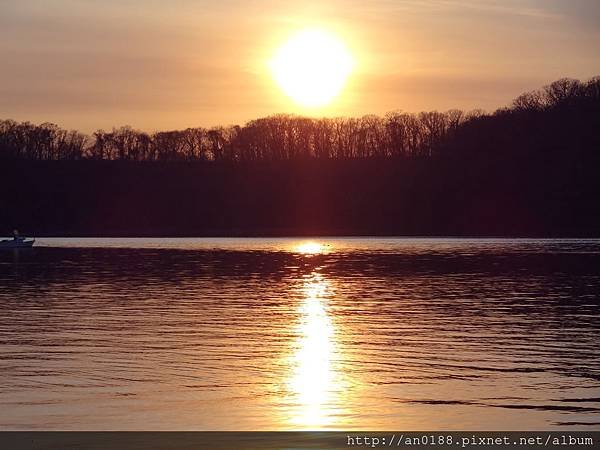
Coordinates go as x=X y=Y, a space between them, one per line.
x=234 y=334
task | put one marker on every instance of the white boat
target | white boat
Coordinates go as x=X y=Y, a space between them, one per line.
x=16 y=243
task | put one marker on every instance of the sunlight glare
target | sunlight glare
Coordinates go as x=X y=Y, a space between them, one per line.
x=313 y=381
x=312 y=67
x=310 y=248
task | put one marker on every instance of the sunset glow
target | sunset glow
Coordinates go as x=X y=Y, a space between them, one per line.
x=189 y=64
x=312 y=67
x=300 y=224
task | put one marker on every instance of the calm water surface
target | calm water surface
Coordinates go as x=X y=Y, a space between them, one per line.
x=271 y=334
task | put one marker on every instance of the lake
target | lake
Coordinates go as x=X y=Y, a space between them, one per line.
x=296 y=334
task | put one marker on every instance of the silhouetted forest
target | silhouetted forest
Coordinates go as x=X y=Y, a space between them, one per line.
x=527 y=169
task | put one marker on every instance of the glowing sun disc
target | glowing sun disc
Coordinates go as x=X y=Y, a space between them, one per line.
x=312 y=67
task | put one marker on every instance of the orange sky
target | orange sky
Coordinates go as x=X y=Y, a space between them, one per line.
x=162 y=65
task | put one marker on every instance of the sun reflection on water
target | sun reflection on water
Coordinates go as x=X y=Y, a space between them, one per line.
x=314 y=379
x=310 y=248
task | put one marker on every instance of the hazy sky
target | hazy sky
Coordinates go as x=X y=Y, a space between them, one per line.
x=161 y=65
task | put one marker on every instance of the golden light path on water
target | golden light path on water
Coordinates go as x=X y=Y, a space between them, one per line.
x=299 y=334
x=313 y=379
x=315 y=383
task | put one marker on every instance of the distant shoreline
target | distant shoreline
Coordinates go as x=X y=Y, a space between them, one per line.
x=528 y=171
x=321 y=237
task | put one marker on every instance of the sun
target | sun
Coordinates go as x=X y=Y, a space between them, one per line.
x=312 y=67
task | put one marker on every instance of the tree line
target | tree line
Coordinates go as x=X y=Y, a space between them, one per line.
x=290 y=137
